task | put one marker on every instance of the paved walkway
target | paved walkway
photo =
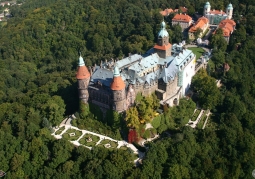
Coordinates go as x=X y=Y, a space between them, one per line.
x=208 y=114
x=67 y=124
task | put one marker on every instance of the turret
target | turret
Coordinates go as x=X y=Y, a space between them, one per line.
x=118 y=91
x=207 y=8
x=83 y=78
x=163 y=47
x=229 y=11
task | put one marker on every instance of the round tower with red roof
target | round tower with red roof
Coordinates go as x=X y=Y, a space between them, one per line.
x=119 y=91
x=83 y=78
x=163 y=47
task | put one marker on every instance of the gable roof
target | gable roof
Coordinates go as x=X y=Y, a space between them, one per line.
x=199 y=24
x=217 y=12
x=166 y=12
x=227 y=26
x=182 y=18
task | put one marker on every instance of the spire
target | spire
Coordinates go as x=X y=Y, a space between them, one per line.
x=81 y=61
x=163 y=32
x=116 y=71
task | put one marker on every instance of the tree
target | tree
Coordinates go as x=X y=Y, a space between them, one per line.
x=132 y=118
x=206 y=89
x=54 y=110
x=198 y=32
x=218 y=58
x=177 y=34
x=218 y=41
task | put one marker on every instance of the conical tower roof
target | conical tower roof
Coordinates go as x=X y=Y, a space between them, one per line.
x=163 y=32
x=117 y=83
x=82 y=72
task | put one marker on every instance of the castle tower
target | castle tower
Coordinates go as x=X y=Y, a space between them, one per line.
x=118 y=90
x=229 y=11
x=163 y=47
x=83 y=77
x=207 y=8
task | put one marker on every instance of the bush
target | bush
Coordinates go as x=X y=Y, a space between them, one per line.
x=147 y=134
x=156 y=121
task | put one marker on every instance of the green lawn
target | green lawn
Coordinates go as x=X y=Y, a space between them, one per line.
x=67 y=136
x=197 y=51
x=201 y=122
x=106 y=141
x=59 y=131
x=195 y=115
x=84 y=140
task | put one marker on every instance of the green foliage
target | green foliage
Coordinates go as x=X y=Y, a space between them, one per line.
x=38 y=59
x=156 y=121
x=206 y=89
x=218 y=42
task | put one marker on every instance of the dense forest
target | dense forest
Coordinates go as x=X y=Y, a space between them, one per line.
x=39 y=49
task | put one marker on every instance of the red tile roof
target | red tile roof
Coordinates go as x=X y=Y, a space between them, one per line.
x=183 y=9
x=164 y=47
x=117 y=83
x=182 y=17
x=227 y=26
x=217 y=12
x=166 y=12
x=199 y=24
x=82 y=73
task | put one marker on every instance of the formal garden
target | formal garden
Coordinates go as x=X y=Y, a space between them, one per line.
x=60 y=130
x=202 y=121
x=108 y=144
x=72 y=134
x=195 y=114
x=89 y=140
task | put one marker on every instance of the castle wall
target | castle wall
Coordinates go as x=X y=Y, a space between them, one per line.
x=188 y=73
x=100 y=97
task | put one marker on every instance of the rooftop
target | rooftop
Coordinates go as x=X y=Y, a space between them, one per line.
x=199 y=24
x=182 y=17
x=227 y=26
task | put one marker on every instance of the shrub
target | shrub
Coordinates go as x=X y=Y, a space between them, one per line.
x=147 y=134
x=156 y=121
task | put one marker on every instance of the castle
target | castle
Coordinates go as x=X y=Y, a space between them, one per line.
x=216 y=16
x=165 y=69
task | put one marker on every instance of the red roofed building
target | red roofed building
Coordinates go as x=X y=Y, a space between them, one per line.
x=227 y=26
x=163 y=47
x=83 y=77
x=202 y=23
x=166 y=12
x=215 y=16
x=118 y=90
x=183 y=20
x=183 y=9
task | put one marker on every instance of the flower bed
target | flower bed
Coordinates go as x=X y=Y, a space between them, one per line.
x=72 y=134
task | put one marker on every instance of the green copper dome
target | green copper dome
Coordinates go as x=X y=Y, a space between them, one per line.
x=230 y=7
x=163 y=32
x=116 y=71
x=207 y=4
